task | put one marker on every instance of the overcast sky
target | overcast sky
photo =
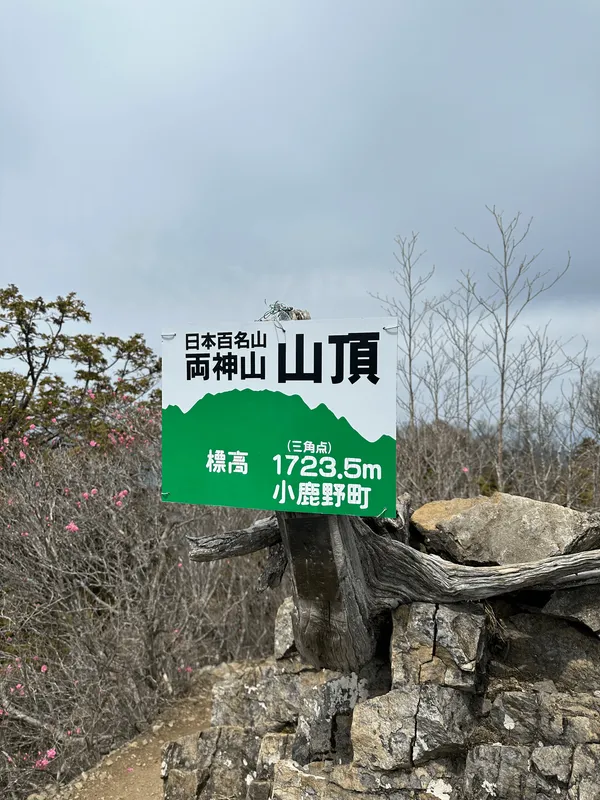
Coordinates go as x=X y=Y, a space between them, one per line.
x=188 y=160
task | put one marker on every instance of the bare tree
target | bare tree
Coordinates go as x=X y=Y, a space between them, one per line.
x=411 y=312
x=516 y=288
x=590 y=403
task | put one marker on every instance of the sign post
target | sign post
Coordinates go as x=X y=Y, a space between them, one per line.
x=295 y=416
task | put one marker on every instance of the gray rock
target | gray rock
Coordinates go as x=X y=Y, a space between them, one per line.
x=267 y=696
x=505 y=529
x=505 y=772
x=584 y=783
x=443 y=721
x=274 y=747
x=218 y=762
x=323 y=711
x=554 y=762
x=436 y=781
x=412 y=642
x=259 y=790
x=409 y=726
x=383 y=730
x=284 y=634
x=545 y=648
x=293 y=782
x=541 y=718
x=581 y=604
x=442 y=644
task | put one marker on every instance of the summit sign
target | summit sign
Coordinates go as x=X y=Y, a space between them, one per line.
x=282 y=416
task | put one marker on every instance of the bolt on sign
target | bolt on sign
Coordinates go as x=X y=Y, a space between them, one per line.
x=282 y=416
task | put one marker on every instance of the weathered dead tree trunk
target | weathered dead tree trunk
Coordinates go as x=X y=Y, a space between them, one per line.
x=347 y=571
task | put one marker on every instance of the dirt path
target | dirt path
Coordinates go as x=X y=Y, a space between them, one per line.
x=133 y=771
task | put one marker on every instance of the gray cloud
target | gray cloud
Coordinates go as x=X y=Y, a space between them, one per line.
x=189 y=160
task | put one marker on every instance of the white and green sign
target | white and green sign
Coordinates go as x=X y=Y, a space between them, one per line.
x=286 y=416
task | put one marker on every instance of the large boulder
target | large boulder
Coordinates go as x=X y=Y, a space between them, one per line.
x=504 y=529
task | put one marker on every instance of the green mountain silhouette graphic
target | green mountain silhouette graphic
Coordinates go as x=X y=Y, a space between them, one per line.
x=263 y=424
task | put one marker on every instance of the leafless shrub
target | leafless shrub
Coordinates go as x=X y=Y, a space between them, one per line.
x=102 y=615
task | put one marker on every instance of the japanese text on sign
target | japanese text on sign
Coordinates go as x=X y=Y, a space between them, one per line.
x=355 y=356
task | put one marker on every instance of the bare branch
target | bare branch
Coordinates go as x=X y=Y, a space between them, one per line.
x=263 y=533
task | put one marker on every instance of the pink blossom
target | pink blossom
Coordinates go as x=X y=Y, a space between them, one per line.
x=32 y=427
x=94 y=491
x=44 y=668
x=93 y=443
x=24 y=533
x=118 y=504
x=6 y=441
x=91 y=395
x=53 y=420
x=37 y=483
x=465 y=469
x=51 y=753
x=71 y=527
x=86 y=496
x=22 y=455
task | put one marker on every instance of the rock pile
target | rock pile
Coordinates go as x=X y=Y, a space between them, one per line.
x=494 y=699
